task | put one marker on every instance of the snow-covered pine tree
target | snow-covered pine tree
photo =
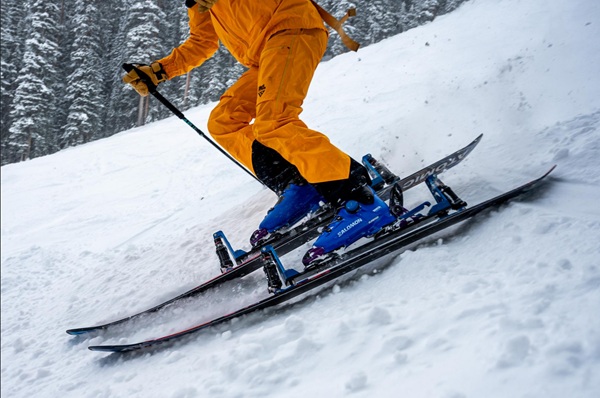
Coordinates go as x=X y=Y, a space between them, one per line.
x=84 y=89
x=192 y=78
x=122 y=101
x=429 y=9
x=137 y=41
x=33 y=132
x=64 y=40
x=12 y=14
x=449 y=5
x=376 y=20
x=417 y=12
x=144 y=44
x=174 y=30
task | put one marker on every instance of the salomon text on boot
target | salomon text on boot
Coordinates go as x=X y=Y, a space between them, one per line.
x=353 y=221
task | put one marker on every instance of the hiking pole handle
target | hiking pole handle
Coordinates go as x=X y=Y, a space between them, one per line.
x=152 y=89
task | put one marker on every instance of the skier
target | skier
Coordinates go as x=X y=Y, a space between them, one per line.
x=257 y=118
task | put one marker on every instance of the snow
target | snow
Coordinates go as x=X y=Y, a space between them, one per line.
x=502 y=306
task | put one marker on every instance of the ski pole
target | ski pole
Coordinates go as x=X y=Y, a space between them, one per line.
x=152 y=88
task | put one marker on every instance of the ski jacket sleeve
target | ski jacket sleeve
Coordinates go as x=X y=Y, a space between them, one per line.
x=199 y=46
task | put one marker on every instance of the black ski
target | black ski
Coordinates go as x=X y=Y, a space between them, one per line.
x=345 y=263
x=284 y=243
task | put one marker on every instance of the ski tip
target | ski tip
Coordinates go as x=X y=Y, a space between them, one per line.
x=99 y=348
x=119 y=349
x=107 y=348
x=78 y=332
x=86 y=330
x=551 y=170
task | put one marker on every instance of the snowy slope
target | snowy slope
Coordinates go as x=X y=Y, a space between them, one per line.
x=505 y=306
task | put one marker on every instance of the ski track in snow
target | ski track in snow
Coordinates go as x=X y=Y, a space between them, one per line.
x=505 y=305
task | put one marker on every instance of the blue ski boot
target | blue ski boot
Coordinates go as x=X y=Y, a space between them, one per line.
x=353 y=221
x=295 y=202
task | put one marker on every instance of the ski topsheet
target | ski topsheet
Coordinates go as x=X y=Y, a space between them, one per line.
x=345 y=263
x=288 y=241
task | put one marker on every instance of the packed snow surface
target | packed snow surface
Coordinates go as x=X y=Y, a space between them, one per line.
x=506 y=305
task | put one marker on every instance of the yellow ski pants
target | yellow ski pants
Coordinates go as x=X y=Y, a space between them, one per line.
x=272 y=95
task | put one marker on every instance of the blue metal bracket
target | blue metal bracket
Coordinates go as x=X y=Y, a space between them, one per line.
x=377 y=181
x=445 y=197
x=234 y=253
x=380 y=174
x=442 y=202
x=412 y=213
x=286 y=274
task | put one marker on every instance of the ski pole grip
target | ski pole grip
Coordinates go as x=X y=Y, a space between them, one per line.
x=143 y=76
x=152 y=88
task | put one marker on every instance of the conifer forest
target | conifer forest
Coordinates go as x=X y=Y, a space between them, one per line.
x=61 y=64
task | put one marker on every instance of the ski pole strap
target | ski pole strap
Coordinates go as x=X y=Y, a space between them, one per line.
x=337 y=25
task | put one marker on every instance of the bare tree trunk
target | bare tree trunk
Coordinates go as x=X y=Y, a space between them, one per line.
x=187 y=88
x=27 y=154
x=140 y=120
x=146 y=109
